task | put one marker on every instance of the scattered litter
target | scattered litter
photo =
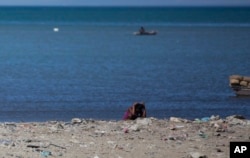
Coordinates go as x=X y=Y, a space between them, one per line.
x=5 y=142
x=76 y=121
x=196 y=155
x=176 y=119
x=125 y=130
x=97 y=138
x=204 y=119
x=202 y=135
x=45 y=153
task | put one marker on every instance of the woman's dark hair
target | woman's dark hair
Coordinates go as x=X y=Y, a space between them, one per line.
x=139 y=108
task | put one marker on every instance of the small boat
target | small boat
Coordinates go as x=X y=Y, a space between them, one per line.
x=240 y=85
x=145 y=33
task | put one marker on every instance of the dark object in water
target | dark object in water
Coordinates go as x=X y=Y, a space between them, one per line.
x=240 y=85
x=146 y=33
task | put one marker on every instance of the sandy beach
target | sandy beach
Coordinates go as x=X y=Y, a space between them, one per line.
x=147 y=138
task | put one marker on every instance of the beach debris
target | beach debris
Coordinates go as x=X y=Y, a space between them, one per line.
x=60 y=126
x=38 y=144
x=218 y=150
x=202 y=134
x=134 y=127
x=180 y=137
x=175 y=127
x=236 y=120
x=144 y=121
x=76 y=121
x=196 y=155
x=85 y=137
x=204 y=119
x=10 y=124
x=236 y=117
x=57 y=146
x=100 y=133
x=74 y=141
x=41 y=144
x=138 y=125
x=214 y=118
x=125 y=130
x=172 y=127
x=45 y=153
x=6 y=142
x=176 y=119
x=56 y=128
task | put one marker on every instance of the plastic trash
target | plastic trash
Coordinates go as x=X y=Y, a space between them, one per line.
x=5 y=142
x=205 y=119
x=45 y=153
x=203 y=135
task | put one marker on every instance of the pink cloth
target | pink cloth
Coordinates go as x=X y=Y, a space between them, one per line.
x=125 y=116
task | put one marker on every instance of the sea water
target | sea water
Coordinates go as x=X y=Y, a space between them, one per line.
x=57 y=63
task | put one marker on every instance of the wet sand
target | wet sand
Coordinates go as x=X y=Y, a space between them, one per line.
x=147 y=138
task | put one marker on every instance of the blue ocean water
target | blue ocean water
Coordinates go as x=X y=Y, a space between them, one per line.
x=94 y=67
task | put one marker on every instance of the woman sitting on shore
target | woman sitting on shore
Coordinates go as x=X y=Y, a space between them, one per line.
x=135 y=111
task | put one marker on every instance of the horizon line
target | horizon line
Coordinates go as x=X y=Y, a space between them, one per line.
x=136 y=6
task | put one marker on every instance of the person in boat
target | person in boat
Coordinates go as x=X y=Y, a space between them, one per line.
x=142 y=30
x=135 y=111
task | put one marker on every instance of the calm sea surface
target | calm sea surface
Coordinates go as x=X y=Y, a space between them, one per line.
x=94 y=67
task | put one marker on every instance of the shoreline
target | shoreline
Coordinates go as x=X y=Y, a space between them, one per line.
x=119 y=118
x=148 y=137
